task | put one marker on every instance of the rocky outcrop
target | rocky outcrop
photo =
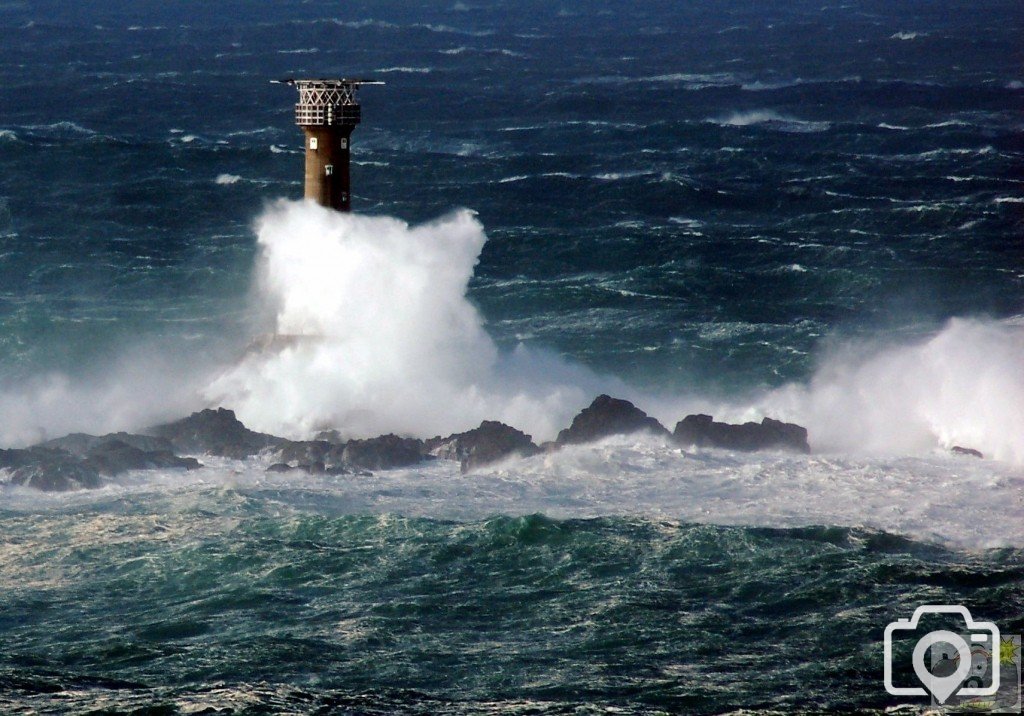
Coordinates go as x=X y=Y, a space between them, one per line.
x=966 y=451
x=383 y=453
x=608 y=416
x=489 y=443
x=215 y=432
x=78 y=461
x=81 y=444
x=112 y=457
x=703 y=431
x=48 y=469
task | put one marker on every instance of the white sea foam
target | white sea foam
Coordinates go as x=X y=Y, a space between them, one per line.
x=957 y=501
x=907 y=35
x=228 y=179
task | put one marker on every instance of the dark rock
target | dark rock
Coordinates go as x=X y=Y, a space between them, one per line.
x=490 y=442
x=313 y=468
x=309 y=452
x=215 y=432
x=81 y=459
x=702 y=431
x=608 y=416
x=331 y=436
x=81 y=444
x=48 y=469
x=112 y=457
x=970 y=452
x=382 y=453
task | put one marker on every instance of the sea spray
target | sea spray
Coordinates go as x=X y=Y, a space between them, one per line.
x=379 y=336
x=962 y=386
x=376 y=335
x=145 y=383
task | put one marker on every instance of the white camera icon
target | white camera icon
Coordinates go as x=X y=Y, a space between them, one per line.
x=942 y=687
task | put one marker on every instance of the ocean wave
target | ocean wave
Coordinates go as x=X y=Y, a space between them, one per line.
x=694 y=81
x=907 y=35
x=949 y=123
x=934 y=498
x=483 y=50
x=367 y=287
x=385 y=25
x=64 y=128
x=300 y=51
x=765 y=86
x=961 y=386
x=405 y=70
x=772 y=119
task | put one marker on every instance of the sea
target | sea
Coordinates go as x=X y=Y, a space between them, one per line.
x=812 y=211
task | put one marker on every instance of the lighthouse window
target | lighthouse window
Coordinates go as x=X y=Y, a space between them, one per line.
x=344 y=143
x=312 y=143
x=329 y=169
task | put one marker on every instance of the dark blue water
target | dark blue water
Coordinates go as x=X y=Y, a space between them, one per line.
x=693 y=198
x=644 y=174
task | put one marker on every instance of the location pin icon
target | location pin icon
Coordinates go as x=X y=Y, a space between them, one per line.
x=942 y=687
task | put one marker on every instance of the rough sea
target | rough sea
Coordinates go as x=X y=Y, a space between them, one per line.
x=811 y=211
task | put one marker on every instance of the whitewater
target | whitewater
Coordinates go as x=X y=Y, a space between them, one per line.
x=366 y=328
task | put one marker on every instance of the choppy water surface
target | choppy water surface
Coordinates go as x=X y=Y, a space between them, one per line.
x=809 y=211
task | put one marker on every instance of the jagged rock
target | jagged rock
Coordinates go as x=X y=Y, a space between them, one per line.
x=331 y=436
x=701 y=431
x=970 y=452
x=215 y=432
x=49 y=469
x=84 y=458
x=382 y=453
x=313 y=468
x=81 y=444
x=309 y=451
x=112 y=457
x=322 y=456
x=608 y=416
x=490 y=442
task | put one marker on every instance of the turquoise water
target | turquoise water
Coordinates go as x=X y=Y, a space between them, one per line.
x=227 y=595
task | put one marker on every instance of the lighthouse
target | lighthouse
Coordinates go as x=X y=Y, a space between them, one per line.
x=328 y=111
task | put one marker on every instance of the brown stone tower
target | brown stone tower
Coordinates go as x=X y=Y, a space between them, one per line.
x=328 y=111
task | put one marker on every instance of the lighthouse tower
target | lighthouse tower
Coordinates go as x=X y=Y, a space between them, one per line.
x=328 y=111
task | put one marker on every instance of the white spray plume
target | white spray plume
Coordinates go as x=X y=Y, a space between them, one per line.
x=380 y=337
x=963 y=386
x=147 y=384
